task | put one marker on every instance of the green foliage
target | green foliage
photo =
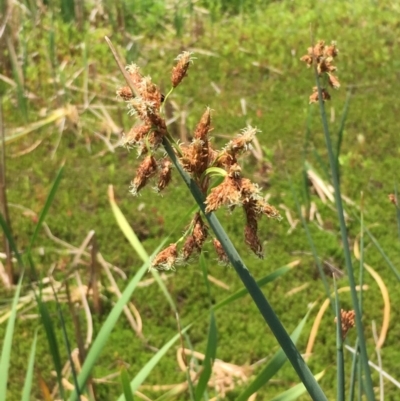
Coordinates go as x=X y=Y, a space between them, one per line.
x=253 y=56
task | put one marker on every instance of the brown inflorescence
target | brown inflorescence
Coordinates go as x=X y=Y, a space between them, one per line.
x=222 y=256
x=393 y=199
x=347 y=319
x=233 y=191
x=199 y=159
x=145 y=171
x=165 y=260
x=195 y=240
x=322 y=57
x=314 y=95
x=180 y=70
x=165 y=174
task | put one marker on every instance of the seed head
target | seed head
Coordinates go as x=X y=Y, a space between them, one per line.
x=392 y=198
x=347 y=319
x=242 y=142
x=252 y=240
x=322 y=57
x=200 y=231
x=204 y=126
x=136 y=134
x=146 y=170
x=180 y=70
x=189 y=247
x=314 y=95
x=166 y=259
x=165 y=174
x=222 y=256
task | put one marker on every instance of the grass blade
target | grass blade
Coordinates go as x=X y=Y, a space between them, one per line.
x=26 y=392
x=396 y=194
x=211 y=349
x=46 y=207
x=345 y=241
x=7 y=233
x=7 y=343
x=295 y=392
x=126 y=385
x=339 y=347
x=382 y=252
x=276 y=362
x=52 y=341
x=311 y=242
x=209 y=359
x=261 y=282
x=106 y=328
x=126 y=228
x=145 y=371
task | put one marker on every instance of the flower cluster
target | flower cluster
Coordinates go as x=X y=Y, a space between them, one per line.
x=198 y=158
x=322 y=57
x=347 y=319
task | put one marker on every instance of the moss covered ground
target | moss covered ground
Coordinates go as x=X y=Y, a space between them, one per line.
x=253 y=56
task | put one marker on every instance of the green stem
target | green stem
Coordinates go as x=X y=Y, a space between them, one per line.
x=254 y=290
x=346 y=248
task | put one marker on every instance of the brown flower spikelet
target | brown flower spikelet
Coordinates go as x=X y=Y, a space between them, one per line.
x=180 y=70
x=165 y=174
x=189 y=247
x=136 y=134
x=252 y=240
x=145 y=171
x=165 y=260
x=195 y=156
x=314 y=96
x=204 y=125
x=222 y=256
x=347 y=319
x=323 y=57
x=392 y=198
x=233 y=191
x=200 y=231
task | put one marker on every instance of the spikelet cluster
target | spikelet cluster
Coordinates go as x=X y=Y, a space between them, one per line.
x=322 y=57
x=198 y=158
x=347 y=319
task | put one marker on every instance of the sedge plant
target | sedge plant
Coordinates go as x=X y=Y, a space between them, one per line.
x=215 y=180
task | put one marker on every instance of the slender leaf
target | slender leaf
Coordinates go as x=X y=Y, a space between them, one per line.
x=10 y=239
x=105 y=331
x=145 y=371
x=276 y=362
x=54 y=349
x=66 y=343
x=26 y=392
x=382 y=252
x=339 y=348
x=397 y=205
x=345 y=241
x=353 y=376
x=248 y=280
x=46 y=207
x=295 y=392
x=261 y=282
x=209 y=359
x=311 y=242
x=341 y=127
x=126 y=385
x=7 y=343
x=127 y=229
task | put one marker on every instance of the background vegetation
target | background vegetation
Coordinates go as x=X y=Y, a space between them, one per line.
x=56 y=69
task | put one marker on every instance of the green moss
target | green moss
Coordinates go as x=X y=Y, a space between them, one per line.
x=276 y=92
